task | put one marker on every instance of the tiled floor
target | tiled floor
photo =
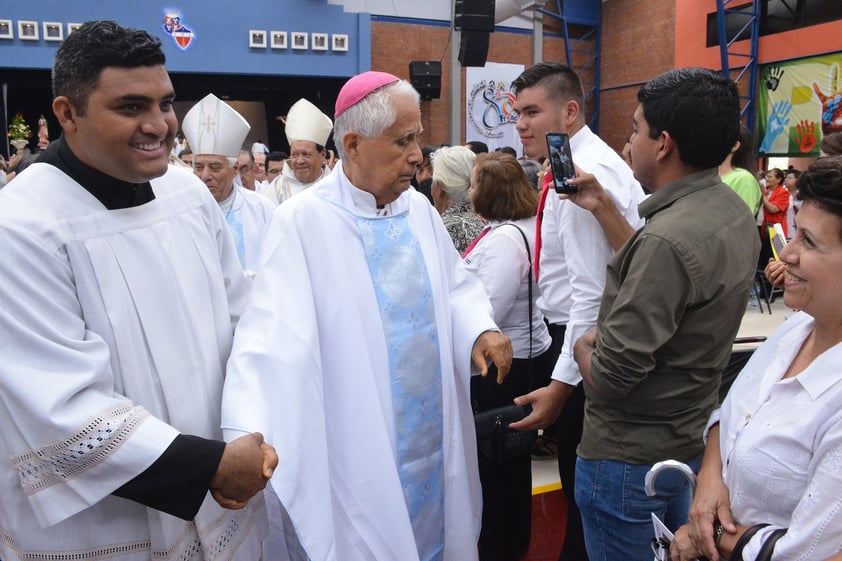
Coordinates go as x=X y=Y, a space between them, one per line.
x=549 y=507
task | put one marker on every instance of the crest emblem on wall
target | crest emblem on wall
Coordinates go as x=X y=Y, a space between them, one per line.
x=181 y=34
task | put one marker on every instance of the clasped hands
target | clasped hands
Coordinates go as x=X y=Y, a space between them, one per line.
x=710 y=503
x=246 y=466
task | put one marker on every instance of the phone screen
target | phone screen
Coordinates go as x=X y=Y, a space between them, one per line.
x=776 y=236
x=561 y=161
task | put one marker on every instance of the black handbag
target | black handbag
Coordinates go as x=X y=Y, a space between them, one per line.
x=495 y=440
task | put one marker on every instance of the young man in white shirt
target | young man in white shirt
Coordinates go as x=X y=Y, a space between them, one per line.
x=573 y=254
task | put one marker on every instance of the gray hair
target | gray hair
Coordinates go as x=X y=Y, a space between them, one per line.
x=452 y=168
x=373 y=114
x=531 y=168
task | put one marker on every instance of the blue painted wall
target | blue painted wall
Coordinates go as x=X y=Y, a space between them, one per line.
x=221 y=41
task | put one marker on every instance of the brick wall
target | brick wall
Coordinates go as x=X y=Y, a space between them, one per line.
x=394 y=45
x=638 y=38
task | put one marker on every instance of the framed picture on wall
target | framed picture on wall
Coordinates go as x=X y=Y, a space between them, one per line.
x=257 y=39
x=28 y=30
x=71 y=27
x=6 y=29
x=279 y=39
x=299 y=40
x=340 y=42
x=319 y=41
x=53 y=31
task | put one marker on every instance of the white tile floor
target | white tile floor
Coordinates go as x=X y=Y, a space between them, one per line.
x=755 y=323
x=544 y=476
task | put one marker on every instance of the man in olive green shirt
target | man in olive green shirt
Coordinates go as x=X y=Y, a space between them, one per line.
x=674 y=297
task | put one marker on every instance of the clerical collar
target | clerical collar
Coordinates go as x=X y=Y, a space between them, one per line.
x=112 y=193
x=365 y=204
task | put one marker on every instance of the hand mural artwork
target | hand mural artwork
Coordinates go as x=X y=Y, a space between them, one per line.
x=806 y=138
x=774 y=79
x=778 y=119
x=831 y=102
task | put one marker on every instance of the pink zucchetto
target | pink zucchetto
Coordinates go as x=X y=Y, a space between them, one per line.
x=360 y=86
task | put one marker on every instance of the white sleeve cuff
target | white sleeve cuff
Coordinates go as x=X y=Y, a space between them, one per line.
x=713 y=420
x=566 y=371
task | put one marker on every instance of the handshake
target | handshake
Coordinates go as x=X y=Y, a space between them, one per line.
x=246 y=465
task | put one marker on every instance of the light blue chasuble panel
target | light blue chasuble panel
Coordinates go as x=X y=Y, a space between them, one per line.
x=232 y=217
x=405 y=299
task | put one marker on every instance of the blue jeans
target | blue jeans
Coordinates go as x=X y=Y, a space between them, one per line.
x=616 y=513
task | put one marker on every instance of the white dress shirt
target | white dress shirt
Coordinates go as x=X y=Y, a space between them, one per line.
x=575 y=250
x=502 y=265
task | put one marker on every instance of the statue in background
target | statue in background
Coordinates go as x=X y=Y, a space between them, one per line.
x=43 y=134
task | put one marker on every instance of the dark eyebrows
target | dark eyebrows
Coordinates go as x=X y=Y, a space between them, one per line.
x=140 y=99
x=525 y=108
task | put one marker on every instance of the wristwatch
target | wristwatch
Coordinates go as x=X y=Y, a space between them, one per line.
x=718 y=530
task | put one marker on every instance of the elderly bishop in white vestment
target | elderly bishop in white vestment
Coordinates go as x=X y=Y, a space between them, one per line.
x=353 y=359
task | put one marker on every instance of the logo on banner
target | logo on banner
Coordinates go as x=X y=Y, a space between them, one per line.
x=173 y=27
x=491 y=106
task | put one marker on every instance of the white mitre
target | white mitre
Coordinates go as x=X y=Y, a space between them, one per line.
x=214 y=127
x=305 y=122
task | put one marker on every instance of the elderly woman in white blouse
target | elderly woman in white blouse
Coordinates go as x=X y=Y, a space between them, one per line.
x=770 y=486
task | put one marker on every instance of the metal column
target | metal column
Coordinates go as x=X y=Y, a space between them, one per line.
x=751 y=31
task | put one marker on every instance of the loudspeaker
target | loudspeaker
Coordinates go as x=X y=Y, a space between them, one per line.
x=425 y=76
x=473 y=48
x=474 y=15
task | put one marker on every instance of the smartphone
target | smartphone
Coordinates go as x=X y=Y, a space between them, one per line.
x=561 y=162
x=776 y=236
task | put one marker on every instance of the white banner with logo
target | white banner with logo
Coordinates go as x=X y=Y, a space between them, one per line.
x=489 y=107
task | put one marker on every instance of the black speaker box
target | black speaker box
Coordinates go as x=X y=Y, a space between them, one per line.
x=425 y=76
x=473 y=48
x=474 y=15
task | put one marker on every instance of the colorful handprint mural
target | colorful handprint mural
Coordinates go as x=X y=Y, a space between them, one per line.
x=798 y=102
x=831 y=102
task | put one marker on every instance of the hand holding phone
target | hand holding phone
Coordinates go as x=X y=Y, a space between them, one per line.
x=561 y=162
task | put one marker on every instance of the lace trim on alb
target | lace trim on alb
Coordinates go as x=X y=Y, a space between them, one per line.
x=61 y=461
x=187 y=546
x=234 y=527
x=93 y=554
